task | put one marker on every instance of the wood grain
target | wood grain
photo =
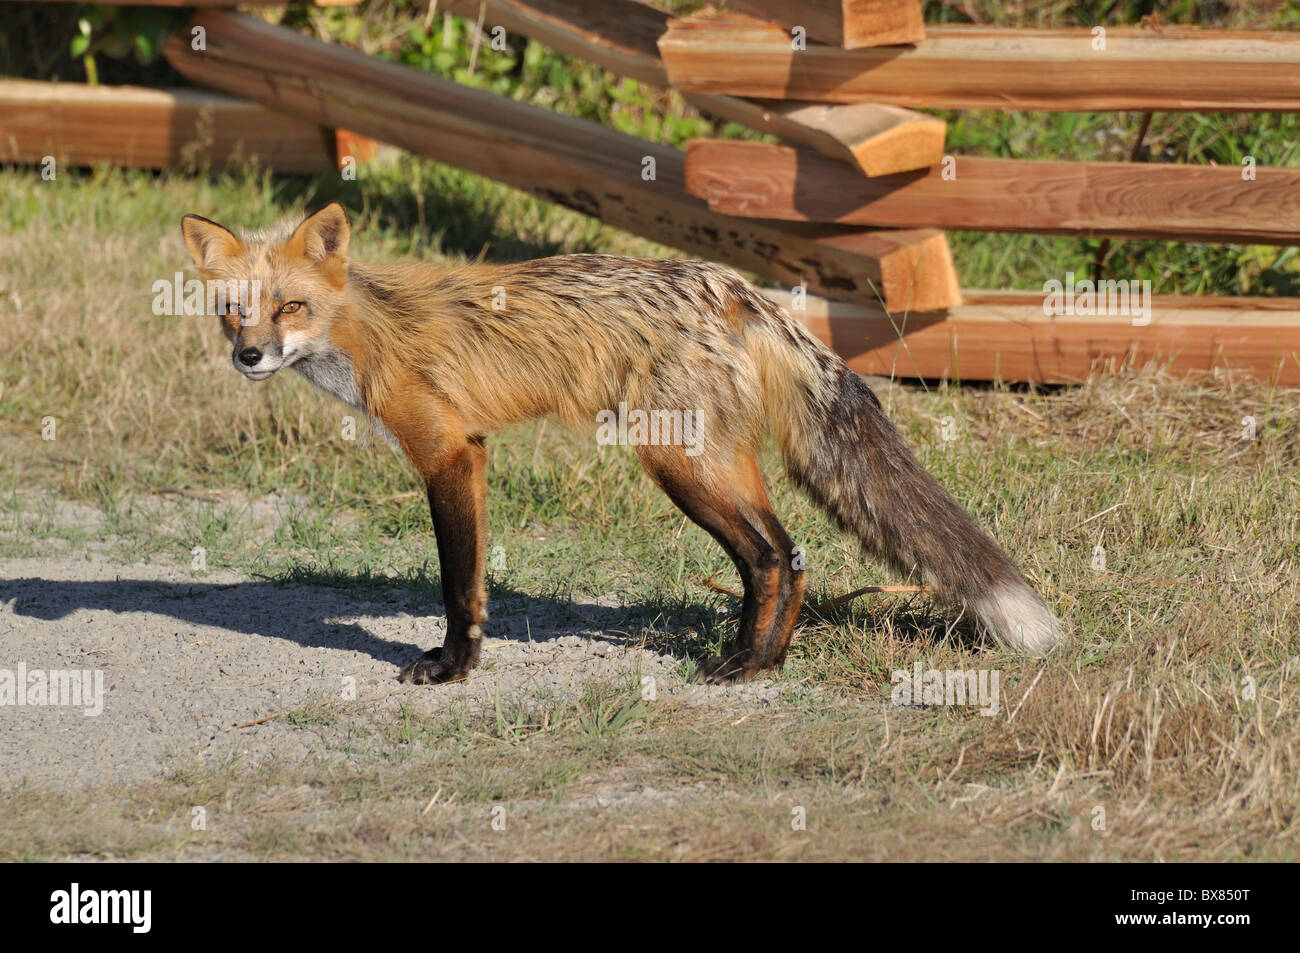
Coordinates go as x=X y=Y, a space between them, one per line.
x=622 y=37
x=1005 y=336
x=969 y=67
x=619 y=35
x=583 y=165
x=876 y=140
x=152 y=129
x=1136 y=200
x=847 y=23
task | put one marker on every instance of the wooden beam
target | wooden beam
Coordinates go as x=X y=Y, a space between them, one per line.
x=619 y=35
x=628 y=182
x=152 y=128
x=847 y=23
x=876 y=140
x=1136 y=200
x=1006 y=336
x=971 y=67
x=622 y=37
x=916 y=267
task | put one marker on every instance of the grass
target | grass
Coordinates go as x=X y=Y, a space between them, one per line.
x=1171 y=708
x=1144 y=713
x=606 y=777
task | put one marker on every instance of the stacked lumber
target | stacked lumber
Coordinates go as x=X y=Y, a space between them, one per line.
x=1007 y=335
x=848 y=209
x=153 y=129
x=622 y=36
x=628 y=182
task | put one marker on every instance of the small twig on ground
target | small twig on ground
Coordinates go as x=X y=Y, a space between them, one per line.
x=829 y=603
x=850 y=596
x=1095 y=516
x=1012 y=716
x=432 y=801
x=261 y=721
x=718 y=587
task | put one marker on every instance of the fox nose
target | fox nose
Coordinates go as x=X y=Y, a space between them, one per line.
x=249 y=356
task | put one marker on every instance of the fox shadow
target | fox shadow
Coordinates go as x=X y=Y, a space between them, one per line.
x=302 y=612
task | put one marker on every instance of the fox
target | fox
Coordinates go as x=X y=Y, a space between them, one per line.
x=439 y=357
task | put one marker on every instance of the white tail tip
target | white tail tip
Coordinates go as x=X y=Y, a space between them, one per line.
x=1019 y=619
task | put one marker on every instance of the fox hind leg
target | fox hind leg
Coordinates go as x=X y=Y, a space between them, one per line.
x=793 y=581
x=733 y=509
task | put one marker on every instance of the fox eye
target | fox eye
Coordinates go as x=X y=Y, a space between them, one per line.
x=234 y=307
x=293 y=307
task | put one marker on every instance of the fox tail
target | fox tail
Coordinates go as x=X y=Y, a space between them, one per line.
x=841 y=448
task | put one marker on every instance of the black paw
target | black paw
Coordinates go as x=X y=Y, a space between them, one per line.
x=720 y=670
x=432 y=669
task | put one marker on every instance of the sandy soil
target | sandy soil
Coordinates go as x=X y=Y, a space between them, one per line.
x=186 y=660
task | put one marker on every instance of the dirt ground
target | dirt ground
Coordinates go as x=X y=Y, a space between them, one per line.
x=186 y=661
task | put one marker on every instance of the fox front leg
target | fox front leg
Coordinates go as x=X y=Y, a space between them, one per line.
x=457 y=490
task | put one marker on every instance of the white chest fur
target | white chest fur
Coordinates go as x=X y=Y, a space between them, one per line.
x=334 y=374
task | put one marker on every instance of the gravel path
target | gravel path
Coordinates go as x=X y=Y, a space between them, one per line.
x=186 y=660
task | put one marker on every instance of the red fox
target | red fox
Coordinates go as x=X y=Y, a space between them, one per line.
x=440 y=357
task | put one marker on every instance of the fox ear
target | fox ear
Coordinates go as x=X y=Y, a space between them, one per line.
x=323 y=236
x=207 y=241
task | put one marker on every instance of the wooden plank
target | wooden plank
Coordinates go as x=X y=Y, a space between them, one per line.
x=1136 y=200
x=847 y=23
x=877 y=140
x=619 y=35
x=622 y=36
x=971 y=67
x=583 y=165
x=1006 y=336
x=916 y=267
x=152 y=128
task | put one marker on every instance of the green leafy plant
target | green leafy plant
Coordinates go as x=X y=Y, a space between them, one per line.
x=119 y=33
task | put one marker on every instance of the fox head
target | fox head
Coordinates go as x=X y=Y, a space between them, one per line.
x=277 y=292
